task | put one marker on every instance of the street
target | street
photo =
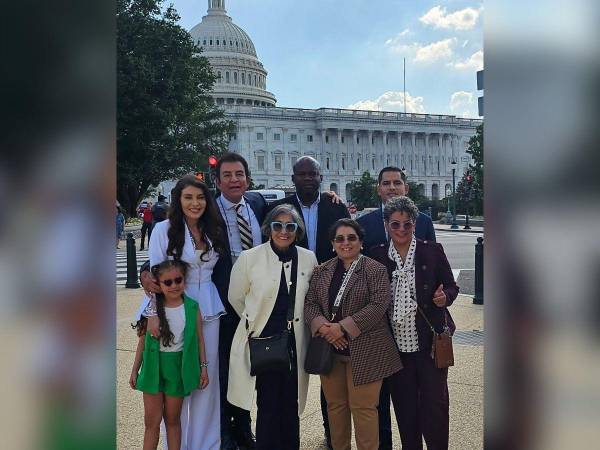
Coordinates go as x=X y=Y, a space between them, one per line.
x=460 y=250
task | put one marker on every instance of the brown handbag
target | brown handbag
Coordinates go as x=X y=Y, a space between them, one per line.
x=441 y=346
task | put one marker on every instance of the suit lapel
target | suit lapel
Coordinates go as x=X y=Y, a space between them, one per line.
x=419 y=272
x=380 y=228
x=294 y=201
x=328 y=276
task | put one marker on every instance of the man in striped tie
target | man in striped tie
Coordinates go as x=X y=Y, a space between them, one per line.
x=243 y=213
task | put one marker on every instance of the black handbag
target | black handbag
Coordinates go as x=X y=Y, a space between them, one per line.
x=319 y=355
x=272 y=353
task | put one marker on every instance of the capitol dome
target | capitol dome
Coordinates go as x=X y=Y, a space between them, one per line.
x=242 y=79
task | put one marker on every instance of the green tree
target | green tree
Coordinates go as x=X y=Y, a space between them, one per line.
x=363 y=192
x=165 y=118
x=415 y=195
x=471 y=196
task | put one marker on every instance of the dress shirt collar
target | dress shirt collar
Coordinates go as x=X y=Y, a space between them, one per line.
x=316 y=202
x=230 y=205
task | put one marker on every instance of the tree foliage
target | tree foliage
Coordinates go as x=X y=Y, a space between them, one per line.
x=469 y=197
x=363 y=192
x=416 y=196
x=165 y=118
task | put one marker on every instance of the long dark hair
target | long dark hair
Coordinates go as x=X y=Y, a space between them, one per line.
x=210 y=224
x=165 y=333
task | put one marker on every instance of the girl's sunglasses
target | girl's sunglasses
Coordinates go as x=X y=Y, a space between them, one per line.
x=290 y=227
x=341 y=238
x=396 y=225
x=168 y=283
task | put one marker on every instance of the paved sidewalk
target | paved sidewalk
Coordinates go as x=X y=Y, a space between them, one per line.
x=465 y=382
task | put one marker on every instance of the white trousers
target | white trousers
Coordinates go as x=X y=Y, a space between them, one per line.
x=201 y=411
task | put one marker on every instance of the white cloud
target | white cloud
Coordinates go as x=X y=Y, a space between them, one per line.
x=391 y=101
x=425 y=53
x=464 y=19
x=474 y=62
x=435 y=51
x=463 y=104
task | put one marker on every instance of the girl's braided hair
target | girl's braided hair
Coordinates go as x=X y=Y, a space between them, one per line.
x=165 y=333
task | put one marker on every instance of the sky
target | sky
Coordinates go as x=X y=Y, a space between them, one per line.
x=349 y=53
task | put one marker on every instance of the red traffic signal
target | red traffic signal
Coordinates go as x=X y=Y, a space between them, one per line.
x=469 y=178
x=212 y=161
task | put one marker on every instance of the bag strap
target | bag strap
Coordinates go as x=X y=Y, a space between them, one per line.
x=293 y=280
x=429 y=323
x=292 y=293
x=338 y=298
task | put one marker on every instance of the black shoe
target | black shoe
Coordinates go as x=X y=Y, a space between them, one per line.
x=245 y=439
x=228 y=443
x=328 y=440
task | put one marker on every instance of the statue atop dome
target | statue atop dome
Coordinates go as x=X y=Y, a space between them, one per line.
x=216 y=7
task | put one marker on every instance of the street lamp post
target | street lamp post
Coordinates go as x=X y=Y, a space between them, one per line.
x=454 y=225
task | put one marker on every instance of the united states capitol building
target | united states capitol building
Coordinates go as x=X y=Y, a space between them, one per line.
x=345 y=142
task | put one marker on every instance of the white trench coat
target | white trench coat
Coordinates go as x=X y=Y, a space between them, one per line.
x=253 y=289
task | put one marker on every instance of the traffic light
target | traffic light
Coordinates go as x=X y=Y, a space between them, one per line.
x=469 y=178
x=212 y=161
x=200 y=176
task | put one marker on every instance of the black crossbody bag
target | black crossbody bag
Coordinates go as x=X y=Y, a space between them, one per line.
x=271 y=353
x=319 y=355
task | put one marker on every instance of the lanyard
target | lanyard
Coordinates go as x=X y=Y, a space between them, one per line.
x=338 y=298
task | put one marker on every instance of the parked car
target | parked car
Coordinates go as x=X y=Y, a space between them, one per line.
x=271 y=195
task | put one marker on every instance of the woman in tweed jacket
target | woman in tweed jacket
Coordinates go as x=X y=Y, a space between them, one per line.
x=365 y=352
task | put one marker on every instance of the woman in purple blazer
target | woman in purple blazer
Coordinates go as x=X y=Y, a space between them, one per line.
x=422 y=284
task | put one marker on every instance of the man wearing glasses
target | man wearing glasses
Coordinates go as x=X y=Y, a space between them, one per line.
x=391 y=182
x=319 y=212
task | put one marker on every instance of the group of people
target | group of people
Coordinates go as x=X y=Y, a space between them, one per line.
x=227 y=270
x=150 y=215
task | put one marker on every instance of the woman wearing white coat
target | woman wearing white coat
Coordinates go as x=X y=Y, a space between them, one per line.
x=193 y=234
x=259 y=293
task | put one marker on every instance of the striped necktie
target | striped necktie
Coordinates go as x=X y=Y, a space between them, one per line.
x=244 y=227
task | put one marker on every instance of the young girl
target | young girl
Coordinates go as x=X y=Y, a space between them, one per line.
x=174 y=364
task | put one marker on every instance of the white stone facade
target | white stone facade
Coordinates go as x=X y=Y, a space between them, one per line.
x=349 y=142
x=346 y=142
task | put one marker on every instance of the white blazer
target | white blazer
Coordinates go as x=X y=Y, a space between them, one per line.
x=253 y=289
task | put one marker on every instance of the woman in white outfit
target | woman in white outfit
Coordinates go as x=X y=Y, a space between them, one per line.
x=192 y=233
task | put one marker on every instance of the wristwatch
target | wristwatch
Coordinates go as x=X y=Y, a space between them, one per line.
x=204 y=365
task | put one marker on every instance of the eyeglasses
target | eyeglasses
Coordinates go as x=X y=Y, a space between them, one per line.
x=168 y=283
x=397 y=225
x=290 y=227
x=341 y=238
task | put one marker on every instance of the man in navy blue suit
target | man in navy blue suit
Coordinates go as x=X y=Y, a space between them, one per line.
x=391 y=182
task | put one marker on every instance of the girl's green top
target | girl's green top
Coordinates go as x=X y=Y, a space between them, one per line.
x=190 y=371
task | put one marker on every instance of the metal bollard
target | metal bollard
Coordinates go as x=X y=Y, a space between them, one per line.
x=132 y=275
x=478 y=298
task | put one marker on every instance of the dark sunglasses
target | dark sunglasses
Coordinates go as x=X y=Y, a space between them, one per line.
x=396 y=225
x=290 y=227
x=341 y=238
x=168 y=283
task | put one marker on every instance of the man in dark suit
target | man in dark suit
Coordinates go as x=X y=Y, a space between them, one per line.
x=391 y=182
x=319 y=213
x=242 y=213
